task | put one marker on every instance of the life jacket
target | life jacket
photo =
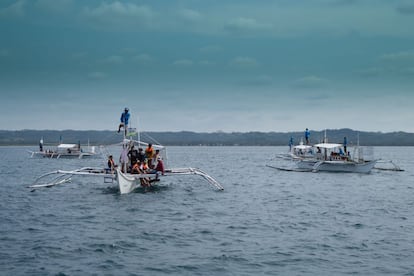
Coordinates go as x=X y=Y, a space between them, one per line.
x=149 y=152
x=111 y=163
x=135 y=168
x=145 y=167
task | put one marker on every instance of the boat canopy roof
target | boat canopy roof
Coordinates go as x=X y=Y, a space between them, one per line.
x=328 y=145
x=302 y=147
x=140 y=143
x=67 y=146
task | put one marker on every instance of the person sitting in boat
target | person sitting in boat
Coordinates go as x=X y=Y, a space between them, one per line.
x=149 y=154
x=136 y=169
x=111 y=163
x=133 y=155
x=144 y=166
x=141 y=155
x=124 y=121
x=155 y=159
x=160 y=166
x=157 y=164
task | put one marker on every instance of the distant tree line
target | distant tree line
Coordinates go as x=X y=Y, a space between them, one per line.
x=187 y=138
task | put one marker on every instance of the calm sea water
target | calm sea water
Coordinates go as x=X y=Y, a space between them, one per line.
x=265 y=222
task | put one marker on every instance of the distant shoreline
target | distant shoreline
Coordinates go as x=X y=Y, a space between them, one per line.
x=188 y=138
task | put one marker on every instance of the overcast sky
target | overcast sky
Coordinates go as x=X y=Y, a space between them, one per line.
x=197 y=65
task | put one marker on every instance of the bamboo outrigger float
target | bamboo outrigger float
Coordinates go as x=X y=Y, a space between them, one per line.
x=126 y=182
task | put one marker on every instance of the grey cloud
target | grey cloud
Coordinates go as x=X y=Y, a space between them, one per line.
x=113 y=60
x=244 y=25
x=190 y=15
x=244 y=62
x=183 y=63
x=120 y=15
x=4 y=53
x=97 y=75
x=262 y=80
x=310 y=82
x=210 y=49
x=143 y=58
x=371 y=72
x=54 y=6
x=407 y=9
x=400 y=56
x=15 y=10
x=206 y=63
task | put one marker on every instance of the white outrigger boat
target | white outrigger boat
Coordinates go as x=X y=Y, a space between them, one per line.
x=331 y=161
x=63 y=151
x=329 y=157
x=300 y=151
x=126 y=181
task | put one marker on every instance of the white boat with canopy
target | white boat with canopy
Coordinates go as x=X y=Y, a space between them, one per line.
x=333 y=157
x=297 y=152
x=123 y=177
x=63 y=150
x=329 y=157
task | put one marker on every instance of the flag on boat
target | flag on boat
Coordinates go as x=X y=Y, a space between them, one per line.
x=131 y=132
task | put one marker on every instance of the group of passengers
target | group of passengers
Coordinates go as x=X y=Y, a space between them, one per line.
x=139 y=161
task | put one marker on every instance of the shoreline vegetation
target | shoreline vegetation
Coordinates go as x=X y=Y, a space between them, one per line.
x=188 y=138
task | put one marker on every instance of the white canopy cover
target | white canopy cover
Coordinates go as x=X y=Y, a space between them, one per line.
x=328 y=145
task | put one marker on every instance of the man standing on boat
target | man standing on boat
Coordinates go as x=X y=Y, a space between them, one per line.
x=124 y=121
x=307 y=134
x=345 y=143
x=290 y=143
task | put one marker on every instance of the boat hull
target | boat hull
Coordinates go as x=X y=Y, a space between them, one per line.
x=337 y=166
x=126 y=182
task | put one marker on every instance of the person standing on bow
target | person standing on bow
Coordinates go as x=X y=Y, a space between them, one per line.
x=290 y=143
x=124 y=121
x=307 y=134
x=123 y=158
x=345 y=143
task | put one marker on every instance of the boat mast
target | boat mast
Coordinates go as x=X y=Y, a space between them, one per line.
x=138 y=133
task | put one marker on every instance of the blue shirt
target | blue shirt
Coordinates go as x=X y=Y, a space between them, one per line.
x=125 y=118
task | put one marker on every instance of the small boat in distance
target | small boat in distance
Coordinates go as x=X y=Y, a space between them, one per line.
x=63 y=151
x=300 y=151
x=329 y=158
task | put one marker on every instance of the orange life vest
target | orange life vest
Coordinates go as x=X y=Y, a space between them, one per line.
x=149 y=152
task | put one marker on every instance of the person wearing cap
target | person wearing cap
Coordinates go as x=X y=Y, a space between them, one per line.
x=124 y=121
